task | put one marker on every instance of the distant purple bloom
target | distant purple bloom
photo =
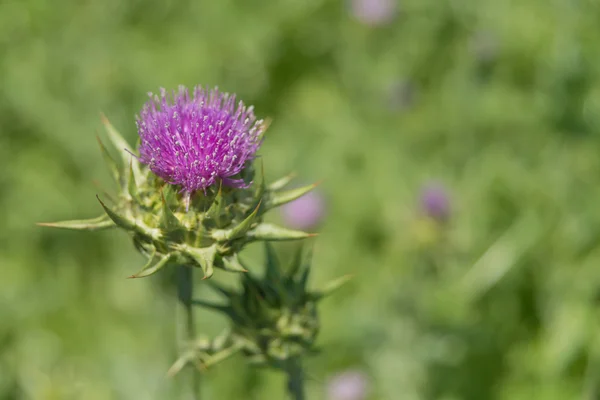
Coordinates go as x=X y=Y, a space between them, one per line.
x=305 y=212
x=374 y=12
x=349 y=385
x=435 y=201
x=193 y=141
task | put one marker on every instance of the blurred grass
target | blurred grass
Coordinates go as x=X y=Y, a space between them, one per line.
x=504 y=109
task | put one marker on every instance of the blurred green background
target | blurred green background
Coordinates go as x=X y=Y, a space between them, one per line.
x=498 y=100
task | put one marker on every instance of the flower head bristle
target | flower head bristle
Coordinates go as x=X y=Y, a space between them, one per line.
x=194 y=141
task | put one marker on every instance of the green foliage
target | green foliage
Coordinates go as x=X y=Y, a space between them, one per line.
x=499 y=303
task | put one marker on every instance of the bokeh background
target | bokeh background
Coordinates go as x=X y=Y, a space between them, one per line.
x=460 y=151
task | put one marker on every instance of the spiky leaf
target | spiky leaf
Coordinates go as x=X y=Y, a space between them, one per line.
x=155 y=263
x=282 y=182
x=280 y=198
x=273 y=232
x=92 y=224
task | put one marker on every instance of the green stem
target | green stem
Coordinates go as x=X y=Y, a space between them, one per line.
x=185 y=292
x=295 y=383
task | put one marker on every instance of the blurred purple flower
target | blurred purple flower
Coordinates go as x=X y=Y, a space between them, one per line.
x=306 y=212
x=435 y=201
x=374 y=12
x=195 y=141
x=348 y=385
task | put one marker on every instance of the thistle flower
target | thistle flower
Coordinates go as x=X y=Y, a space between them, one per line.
x=306 y=212
x=193 y=141
x=435 y=201
x=348 y=385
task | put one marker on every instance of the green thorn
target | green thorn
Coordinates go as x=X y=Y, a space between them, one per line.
x=237 y=231
x=204 y=257
x=93 y=224
x=303 y=283
x=216 y=208
x=120 y=144
x=116 y=139
x=278 y=199
x=112 y=164
x=272 y=232
x=273 y=268
x=221 y=356
x=233 y=264
x=296 y=263
x=330 y=287
x=169 y=221
x=132 y=188
x=180 y=363
x=126 y=223
x=260 y=185
x=282 y=182
x=152 y=267
x=118 y=219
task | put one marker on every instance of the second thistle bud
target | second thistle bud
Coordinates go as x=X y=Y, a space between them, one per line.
x=273 y=318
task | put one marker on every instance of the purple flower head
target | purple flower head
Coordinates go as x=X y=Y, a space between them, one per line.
x=435 y=201
x=374 y=12
x=349 y=385
x=193 y=141
x=306 y=212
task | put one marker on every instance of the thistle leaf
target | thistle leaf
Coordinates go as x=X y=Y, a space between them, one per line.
x=204 y=257
x=154 y=265
x=237 y=231
x=92 y=224
x=112 y=164
x=280 y=198
x=330 y=287
x=272 y=232
x=282 y=182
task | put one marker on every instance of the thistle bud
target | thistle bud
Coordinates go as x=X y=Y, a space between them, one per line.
x=273 y=318
x=192 y=195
